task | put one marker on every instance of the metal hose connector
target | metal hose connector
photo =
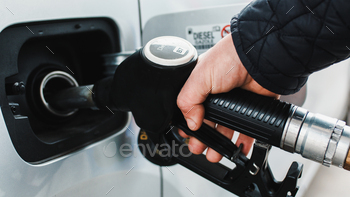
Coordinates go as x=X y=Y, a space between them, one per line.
x=317 y=137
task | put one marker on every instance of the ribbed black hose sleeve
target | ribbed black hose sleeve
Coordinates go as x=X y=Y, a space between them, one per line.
x=257 y=116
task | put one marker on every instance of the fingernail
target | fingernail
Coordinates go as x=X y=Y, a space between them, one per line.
x=191 y=124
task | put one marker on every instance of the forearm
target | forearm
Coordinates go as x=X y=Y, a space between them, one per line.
x=282 y=42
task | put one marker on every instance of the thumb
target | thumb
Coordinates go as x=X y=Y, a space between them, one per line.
x=190 y=100
x=194 y=115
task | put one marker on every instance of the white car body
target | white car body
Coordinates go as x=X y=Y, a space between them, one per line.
x=98 y=169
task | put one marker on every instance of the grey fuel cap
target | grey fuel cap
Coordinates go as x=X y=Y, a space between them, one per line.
x=169 y=51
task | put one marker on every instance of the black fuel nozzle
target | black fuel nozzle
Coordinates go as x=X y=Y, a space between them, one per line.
x=146 y=83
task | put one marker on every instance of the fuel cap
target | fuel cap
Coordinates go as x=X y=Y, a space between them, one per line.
x=169 y=51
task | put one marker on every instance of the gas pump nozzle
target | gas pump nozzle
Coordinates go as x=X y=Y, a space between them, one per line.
x=147 y=84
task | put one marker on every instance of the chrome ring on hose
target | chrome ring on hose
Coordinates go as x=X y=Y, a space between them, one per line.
x=54 y=75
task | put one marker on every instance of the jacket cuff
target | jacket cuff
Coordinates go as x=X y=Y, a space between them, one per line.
x=251 y=68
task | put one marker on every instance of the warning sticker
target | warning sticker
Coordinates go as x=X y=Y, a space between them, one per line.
x=206 y=36
x=225 y=31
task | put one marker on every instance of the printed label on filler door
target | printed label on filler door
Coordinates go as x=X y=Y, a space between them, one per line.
x=206 y=36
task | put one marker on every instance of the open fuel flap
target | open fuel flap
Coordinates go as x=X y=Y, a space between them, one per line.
x=38 y=59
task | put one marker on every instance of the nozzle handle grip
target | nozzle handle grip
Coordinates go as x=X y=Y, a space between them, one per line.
x=257 y=116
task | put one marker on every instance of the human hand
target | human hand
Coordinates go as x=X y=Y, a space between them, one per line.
x=218 y=70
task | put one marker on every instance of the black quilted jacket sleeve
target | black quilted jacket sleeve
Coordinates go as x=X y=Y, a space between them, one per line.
x=281 y=42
